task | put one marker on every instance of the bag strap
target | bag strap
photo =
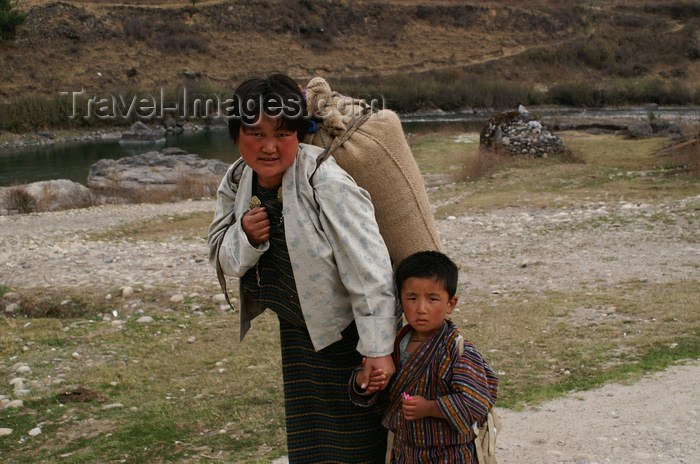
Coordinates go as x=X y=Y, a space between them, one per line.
x=239 y=164
x=338 y=141
x=459 y=341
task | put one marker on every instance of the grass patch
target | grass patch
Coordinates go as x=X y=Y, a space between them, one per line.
x=602 y=167
x=41 y=303
x=614 y=151
x=190 y=392
x=443 y=152
x=550 y=344
x=683 y=157
x=4 y=289
x=191 y=226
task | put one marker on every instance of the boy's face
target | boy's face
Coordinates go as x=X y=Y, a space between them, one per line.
x=425 y=304
x=269 y=150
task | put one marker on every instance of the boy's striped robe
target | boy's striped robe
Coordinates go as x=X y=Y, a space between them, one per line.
x=464 y=387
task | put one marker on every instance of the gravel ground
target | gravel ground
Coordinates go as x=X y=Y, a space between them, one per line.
x=531 y=249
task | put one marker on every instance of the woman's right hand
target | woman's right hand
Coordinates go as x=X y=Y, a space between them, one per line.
x=256 y=226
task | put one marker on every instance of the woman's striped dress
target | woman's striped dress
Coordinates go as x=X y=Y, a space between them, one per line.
x=323 y=425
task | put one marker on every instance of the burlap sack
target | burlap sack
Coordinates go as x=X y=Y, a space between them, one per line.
x=378 y=157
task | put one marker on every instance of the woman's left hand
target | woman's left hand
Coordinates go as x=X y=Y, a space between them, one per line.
x=385 y=364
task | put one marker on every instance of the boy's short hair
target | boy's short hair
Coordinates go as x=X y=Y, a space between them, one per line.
x=276 y=96
x=428 y=264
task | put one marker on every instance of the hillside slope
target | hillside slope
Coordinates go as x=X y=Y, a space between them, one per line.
x=110 y=47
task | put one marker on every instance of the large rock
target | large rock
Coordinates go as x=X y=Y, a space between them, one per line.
x=49 y=195
x=519 y=133
x=154 y=170
x=140 y=133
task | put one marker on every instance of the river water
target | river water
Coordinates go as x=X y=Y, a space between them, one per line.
x=73 y=160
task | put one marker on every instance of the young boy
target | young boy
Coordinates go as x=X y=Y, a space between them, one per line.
x=437 y=394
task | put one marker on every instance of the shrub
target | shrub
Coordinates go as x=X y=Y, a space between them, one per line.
x=581 y=94
x=10 y=18
x=137 y=28
x=484 y=163
x=27 y=112
x=190 y=187
x=18 y=200
x=598 y=53
x=178 y=37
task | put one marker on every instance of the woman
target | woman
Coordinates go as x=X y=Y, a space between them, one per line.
x=302 y=238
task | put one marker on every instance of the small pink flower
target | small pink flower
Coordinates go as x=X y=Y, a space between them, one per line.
x=406 y=396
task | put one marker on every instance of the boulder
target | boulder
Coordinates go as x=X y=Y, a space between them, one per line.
x=519 y=133
x=60 y=194
x=48 y=195
x=141 y=133
x=154 y=170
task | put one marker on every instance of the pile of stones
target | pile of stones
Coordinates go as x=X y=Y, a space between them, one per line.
x=519 y=133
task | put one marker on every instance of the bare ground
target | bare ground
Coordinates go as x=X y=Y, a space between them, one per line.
x=653 y=420
x=527 y=248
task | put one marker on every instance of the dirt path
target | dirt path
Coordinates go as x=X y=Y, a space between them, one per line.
x=654 y=420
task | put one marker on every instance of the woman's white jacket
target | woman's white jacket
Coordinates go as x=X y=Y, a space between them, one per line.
x=340 y=263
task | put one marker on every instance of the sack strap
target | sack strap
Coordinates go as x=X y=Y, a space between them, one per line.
x=459 y=341
x=239 y=164
x=338 y=141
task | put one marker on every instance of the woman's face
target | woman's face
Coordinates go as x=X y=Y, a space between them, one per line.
x=267 y=149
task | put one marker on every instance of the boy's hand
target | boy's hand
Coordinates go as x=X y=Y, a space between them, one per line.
x=418 y=407
x=256 y=226
x=374 y=382
x=383 y=363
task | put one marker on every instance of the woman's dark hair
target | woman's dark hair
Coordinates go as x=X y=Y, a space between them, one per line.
x=276 y=96
x=428 y=265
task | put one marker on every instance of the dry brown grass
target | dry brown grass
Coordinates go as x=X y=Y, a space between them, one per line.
x=599 y=41
x=185 y=187
x=684 y=156
x=487 y=161
x=192 y=187
x=48 y=198
x=17 y=200
x=484 y=163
